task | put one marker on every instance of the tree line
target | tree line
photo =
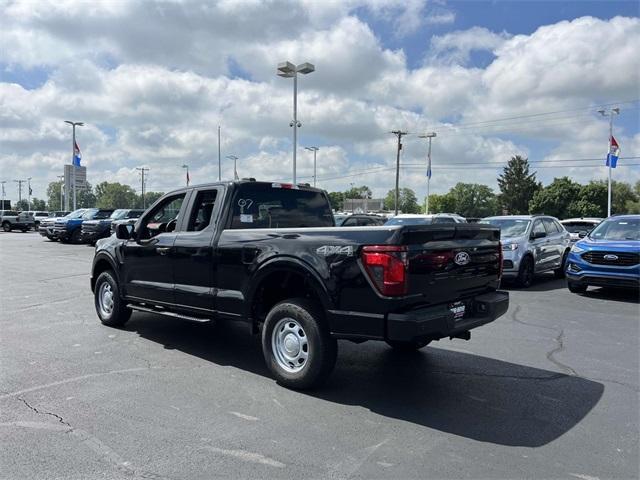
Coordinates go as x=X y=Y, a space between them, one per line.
x=103 y=195
x=519 y=193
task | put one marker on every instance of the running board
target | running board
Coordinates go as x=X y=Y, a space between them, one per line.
x=140 y=308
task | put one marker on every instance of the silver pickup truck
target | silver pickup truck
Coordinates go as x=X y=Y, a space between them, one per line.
x=10 y=220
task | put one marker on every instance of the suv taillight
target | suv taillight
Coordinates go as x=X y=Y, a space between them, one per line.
x=386 y=266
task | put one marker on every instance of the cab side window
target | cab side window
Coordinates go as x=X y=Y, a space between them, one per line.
x=202 y=211
x=538 y=227
x=163 y=218
x=550 y=226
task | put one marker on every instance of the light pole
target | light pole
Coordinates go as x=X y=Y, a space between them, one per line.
x=429 y=135
x=314 y=150
x=19 y=182
x=219 y=160
x=612 y=112
x=235 y=170
x=187 y=168
x=289 y=70
x=3 y=193
x=73 y=154
x=61 y=178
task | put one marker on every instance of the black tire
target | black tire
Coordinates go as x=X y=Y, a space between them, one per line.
x=24 y=230
x=576 y=287
x=408 y=346
x=52 y=239
x=6 y=226
x=526 y=272
x=559 y=272
x=119 y=313
x=76 y=236
x=321 y=347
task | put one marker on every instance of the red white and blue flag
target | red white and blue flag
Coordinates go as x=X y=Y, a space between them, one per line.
x=77 y=156
x=614 y=152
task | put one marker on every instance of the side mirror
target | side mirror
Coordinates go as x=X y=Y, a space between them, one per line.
x=124 y=231
x=536 y=235
x=582 y=234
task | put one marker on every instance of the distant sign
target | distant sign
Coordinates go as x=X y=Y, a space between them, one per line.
x=80 y=175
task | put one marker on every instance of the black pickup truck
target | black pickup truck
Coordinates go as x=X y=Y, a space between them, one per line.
x=269 y=254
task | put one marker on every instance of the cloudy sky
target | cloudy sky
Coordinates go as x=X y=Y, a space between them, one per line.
x=152 y=80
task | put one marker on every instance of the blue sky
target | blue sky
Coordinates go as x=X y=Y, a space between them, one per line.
x=486 y=76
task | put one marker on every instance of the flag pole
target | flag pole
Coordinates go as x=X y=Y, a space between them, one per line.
x=609 y=163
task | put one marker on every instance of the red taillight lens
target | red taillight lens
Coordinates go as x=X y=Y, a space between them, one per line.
x=386 y=266
x=500 y=259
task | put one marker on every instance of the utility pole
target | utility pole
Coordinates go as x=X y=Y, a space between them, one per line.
x=219 y=160
x=612 y=112
x=314 y=150
x=142 y=184
x=3 y=193
x=73 y=155
x=61 y=178
x=399 y=134
x=235 y=170
x=20 y=182
x=426 y=201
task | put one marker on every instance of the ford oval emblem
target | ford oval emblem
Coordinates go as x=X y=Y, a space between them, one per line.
x=611 y=257
x=462 y=258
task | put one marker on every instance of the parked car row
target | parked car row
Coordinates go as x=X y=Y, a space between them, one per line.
x=85 y=225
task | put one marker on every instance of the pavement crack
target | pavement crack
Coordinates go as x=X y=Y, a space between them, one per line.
x=42 y=412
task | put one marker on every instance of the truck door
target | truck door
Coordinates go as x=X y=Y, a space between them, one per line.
x=194 y=265
x=147 y=269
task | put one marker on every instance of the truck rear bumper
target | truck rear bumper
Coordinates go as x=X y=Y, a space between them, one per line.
x=440 y=322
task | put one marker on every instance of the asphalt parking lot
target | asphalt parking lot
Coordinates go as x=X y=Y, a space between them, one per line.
x=550 y=390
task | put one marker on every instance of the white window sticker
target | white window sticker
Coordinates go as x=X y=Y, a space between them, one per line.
x=246 y=218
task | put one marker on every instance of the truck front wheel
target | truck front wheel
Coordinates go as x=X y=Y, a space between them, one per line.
x=296 y=343
x=6 y=226
x=408 y=346
x=110 y=307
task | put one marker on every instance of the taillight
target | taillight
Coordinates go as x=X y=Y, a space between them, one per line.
x=500 y=260
x=386 y=266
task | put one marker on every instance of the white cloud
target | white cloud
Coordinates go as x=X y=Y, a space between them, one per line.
x=152 y=83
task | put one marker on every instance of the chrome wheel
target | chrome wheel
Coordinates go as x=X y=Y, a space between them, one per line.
x=105 y=300
x=290 y=345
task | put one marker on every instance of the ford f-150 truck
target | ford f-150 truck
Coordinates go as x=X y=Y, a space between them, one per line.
x=269 y=254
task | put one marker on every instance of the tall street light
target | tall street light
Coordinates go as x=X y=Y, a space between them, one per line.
x=612 y=112
x=185 y=166
x=314 y=150
x=235 y=170
x=429 y=135
x=73 y=154
x=289 y=70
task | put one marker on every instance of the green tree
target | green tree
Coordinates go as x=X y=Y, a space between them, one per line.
x=358 y=192
x=149 y=198
x=633 y=206
x=336 y=199
x=407 y=201
x=557 y=199
x=21 y=205
x=441 y=203
x=53 y=195
x=84 y=197
x=37 y=204
x=517 y=186
x=471 y=200
x=115 y=195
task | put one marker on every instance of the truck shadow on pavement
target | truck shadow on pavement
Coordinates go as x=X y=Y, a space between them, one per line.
x=472 y=396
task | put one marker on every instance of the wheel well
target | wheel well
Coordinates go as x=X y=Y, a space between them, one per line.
x=102 y=265
x=277 y=286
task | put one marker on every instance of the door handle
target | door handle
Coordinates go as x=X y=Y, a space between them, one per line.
x=163 y=250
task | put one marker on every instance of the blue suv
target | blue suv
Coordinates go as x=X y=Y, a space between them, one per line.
x=608 y=257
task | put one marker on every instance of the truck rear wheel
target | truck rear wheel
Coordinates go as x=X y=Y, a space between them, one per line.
x=408 y=346
x=76 y=236
x=6 y=226
x=109 y=305
x=297 y=346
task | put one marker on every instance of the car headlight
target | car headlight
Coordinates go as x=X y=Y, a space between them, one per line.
x=510 y=246
x=577 y=249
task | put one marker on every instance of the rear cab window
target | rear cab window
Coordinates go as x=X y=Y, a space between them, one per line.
x=274 y=205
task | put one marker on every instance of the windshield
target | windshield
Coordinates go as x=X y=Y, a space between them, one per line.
x=409 y=221
x=77 y=213
x=118 y=214
x=577 y=227
x=617 y=229
x=88 y=214
x=509 y=227
x=134 y=213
